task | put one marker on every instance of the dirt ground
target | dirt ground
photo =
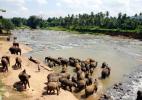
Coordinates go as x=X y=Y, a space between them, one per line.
x=37 y=80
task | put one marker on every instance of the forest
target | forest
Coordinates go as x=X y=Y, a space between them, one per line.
x=104 y=23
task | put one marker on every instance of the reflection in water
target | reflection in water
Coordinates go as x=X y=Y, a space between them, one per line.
x=123 y=56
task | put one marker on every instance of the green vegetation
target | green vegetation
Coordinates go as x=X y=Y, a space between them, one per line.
x=102 y=23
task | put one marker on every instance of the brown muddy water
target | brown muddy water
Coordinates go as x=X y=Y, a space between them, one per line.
x=122 y=55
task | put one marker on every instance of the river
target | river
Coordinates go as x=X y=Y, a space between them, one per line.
x=124 y=56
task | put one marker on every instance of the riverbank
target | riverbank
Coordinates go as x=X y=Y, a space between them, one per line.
x=136 y=34
x=37 y=80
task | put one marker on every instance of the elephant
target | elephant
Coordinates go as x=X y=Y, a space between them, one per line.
x=18 y=62
x=91 y=70
x=105 y=72
x=8 y=38
x=64 y=70
x=52 y=86
x=51 y=64
x=24 y=78
x=80 y=76
x=74 y=79
x=104 y=65
x=64 y=75
x=53 y=77
x=78 y=67
x=15 y=44
x=139 y=95
x=46 y=59
x=64 y=62
x=5 y=64
x=89 y=60
x=81 y=84
x=93 y=65
x=90 y=80
x=89 y=90
x=67 y=83
x=8 y=58
x=15 y=50
x=57 y=62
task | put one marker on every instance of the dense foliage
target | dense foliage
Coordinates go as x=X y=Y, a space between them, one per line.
x=100 y=22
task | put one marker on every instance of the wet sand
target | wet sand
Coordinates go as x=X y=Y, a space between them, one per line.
x=37 y=80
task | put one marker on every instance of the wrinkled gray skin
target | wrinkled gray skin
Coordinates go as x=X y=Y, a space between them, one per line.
x=24 y=78
x=52 y=86
x=5 y=61
x=18 y=62
x=89 y=90
x=105 y=72
x=67 y=83
x=139 y=95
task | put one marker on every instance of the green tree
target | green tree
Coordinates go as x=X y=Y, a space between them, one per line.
x=34 y=22
x=6 y=24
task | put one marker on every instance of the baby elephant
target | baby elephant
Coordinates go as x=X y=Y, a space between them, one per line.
x=18 y=62
x=89 y=90
x=52 y=86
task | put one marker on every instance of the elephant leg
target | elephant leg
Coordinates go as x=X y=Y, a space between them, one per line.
x=57 y=91
x=7 y=68
x=70 y=87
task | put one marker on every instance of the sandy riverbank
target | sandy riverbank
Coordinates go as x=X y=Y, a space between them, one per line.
x=37 y=80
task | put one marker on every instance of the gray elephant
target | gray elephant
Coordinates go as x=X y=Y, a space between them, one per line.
x=105 y=72
x=64 y=62
x=24 y=78
x=80 y=76
x=51 y=64
x=67 y=83
x=139 y=95
x=52 y=86
x=15 y=50
x=89 y=90
x=104 y=65
x=81 y=84
x=77 y=66
x=18 y=62
x=53 y=77
x=64 y=75
x=93 y=65
x=15 y=44
x=74 y=78
x=5 y=61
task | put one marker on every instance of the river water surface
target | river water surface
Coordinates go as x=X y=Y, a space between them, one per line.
x=124 y=56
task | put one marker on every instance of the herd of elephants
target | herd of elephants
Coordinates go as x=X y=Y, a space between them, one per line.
x=82 y=79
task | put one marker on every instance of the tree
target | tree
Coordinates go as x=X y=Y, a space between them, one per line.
x=6 y=24
x=34 y=22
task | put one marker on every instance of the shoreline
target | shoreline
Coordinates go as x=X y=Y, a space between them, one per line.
x=37 y=79
x=131 y=34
